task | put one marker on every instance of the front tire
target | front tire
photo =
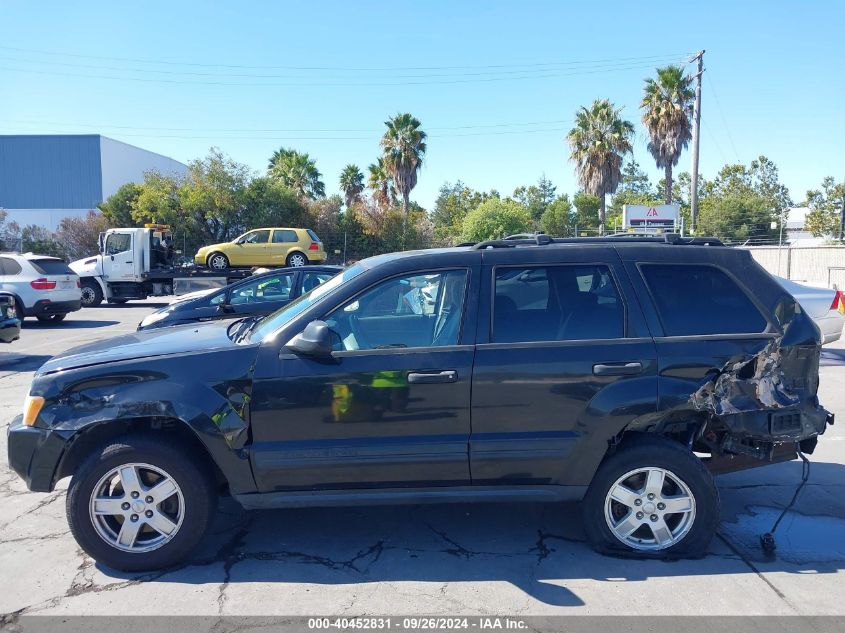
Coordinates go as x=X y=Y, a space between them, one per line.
x=140 y=505
x=653 y=497
x=217 y=261
x=92 y=294
x=297 y=260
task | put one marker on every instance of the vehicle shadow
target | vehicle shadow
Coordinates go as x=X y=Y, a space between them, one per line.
x=832 y=357
x=129 y=304
x=22 y=362
x=538 y=548
x=67 y=324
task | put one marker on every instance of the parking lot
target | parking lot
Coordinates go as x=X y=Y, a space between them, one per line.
x=437 y=559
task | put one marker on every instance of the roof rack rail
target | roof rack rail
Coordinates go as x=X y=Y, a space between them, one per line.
x=541 y=239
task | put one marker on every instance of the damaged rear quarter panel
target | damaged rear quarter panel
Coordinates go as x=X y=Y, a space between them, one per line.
x=208 y=391
x=741 y=385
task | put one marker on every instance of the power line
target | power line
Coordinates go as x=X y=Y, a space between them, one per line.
x=724 y=120
x=341 y=68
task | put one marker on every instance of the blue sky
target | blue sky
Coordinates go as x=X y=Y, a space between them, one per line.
x=494 y=83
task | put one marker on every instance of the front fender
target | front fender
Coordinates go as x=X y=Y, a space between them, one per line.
x=214 y=408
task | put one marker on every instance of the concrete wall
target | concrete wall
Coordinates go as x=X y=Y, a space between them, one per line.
x=822 y=265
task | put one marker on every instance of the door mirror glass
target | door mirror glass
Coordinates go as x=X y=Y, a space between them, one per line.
x=315 y=340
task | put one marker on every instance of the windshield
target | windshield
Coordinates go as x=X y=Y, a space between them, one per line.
x=282 y=316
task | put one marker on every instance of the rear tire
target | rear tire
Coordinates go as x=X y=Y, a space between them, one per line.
x=134 y=525
x=118 y=301
x=51 y=318
x=92 y=294
x=627 y=509
x=296 y=260
x=217 y=261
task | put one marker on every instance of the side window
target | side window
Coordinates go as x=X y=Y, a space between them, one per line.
x=256 y=237
x=9 y=266
x=118 y=243
x=556 y=303
x=284 y=236
x=700 y=300
x=273 y=288
x=420 y=310
x=312 y=280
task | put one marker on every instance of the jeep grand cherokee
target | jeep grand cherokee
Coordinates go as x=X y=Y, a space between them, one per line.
x=622 y=372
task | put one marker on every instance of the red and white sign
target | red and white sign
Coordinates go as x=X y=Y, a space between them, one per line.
x=651 y=219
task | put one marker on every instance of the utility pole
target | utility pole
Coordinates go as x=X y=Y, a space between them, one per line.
x=696 y=136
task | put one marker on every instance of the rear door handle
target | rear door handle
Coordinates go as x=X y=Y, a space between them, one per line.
x=428 y=378
x=617 y=369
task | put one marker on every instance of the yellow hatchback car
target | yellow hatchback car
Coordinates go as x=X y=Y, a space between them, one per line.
x=264 y=247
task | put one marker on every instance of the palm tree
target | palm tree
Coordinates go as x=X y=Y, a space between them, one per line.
x=381 y=184
x=667 y=115
x=404 y=147
x=297 y=171
x=352 y=184
x=597 y=143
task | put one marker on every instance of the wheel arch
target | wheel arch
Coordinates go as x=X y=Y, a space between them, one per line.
x=96 y=280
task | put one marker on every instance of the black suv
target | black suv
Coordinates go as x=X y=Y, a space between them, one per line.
x=623 y=372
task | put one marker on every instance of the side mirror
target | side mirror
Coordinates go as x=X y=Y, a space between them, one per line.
x=315 y=340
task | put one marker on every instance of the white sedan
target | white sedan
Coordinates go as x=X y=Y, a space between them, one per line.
x=825 y=305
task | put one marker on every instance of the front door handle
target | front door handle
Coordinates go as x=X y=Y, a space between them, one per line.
x=439 y=376
x=617 y=369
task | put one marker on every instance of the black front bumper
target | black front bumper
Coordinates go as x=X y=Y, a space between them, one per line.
x=34 y=453
x=45 y=306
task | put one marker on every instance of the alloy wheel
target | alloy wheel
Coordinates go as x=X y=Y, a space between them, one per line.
x=649 y=509
x=137 y=507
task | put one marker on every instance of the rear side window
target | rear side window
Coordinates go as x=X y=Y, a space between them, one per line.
x=51 y=267
x=556 y=303
x=280 y=237
x=312 y=235
x=694 y=300
x=9 y=266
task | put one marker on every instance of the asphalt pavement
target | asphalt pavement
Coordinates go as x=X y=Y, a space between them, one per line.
x=502 y=558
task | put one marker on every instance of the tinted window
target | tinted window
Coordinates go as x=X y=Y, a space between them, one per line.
x=9 y=266
x=422 y=310
x=118 y=243
x=285 y=236
x=556 y=303
x=51 y=267
x=700 y=300
x=313 y=279
x=312 y=235
x=272 y=288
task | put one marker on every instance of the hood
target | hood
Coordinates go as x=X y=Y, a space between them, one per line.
x=145 y=344
x=88 y=266
x=193 y=295
x=211 y=247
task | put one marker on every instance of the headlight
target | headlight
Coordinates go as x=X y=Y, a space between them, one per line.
x=155 y=317
x=31 y=408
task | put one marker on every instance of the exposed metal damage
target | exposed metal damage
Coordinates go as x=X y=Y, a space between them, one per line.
x=757 y=404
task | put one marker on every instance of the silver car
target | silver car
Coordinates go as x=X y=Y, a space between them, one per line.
x=825 y=305
x=43 y=287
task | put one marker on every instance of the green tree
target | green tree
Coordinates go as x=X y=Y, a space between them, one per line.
x=158 y=201
x=494 y=219
x=352 y=184
x=558 y=218
x=737 y=217
x=212 y=196
x=597 y=143
x=41 y=241
x=667 y=106
x=452 y=205
x=635 y=188
x=536 y=198
x=266 y=202
x=404 y=147
x=79 y=237
x=381 y=184
x=825 y=204
x=586 y=213
x=297 y=171
x=117 y=209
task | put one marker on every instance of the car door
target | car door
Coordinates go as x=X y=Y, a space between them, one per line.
x=280 y=245
x=263 y=295
x=564 y=360
x=390 y=408
x=118 y=260
x=251 y=250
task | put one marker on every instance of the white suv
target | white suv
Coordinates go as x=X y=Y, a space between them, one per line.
x=43 y=287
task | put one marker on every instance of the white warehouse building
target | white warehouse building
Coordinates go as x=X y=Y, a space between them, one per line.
x=45 y=178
